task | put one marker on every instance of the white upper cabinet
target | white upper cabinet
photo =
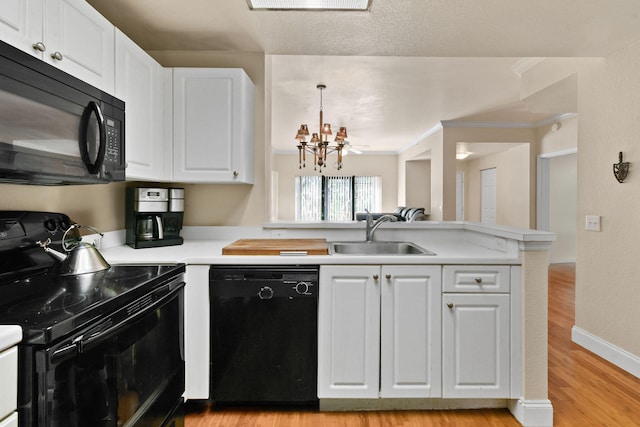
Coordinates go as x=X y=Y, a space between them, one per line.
x=213 y=126
x=69 y=34
x=139 y=85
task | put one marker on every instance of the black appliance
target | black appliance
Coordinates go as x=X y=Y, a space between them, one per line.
x=154 y=216
x=264 y=347
x=54 y=128
x=100 y=349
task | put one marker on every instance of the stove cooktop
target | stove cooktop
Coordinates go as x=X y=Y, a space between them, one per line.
x=48 y=306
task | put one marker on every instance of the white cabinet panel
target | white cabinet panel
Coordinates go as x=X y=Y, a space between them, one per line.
x=475 y=354
x=410 y=350
x=71 y=34
x=21 y=24
x=476 y=278
x=9 y=388
x=10 y=421
x=379 y=332
x=139 y=85
x=196 y=327
x=348 y=332
x=213 y=125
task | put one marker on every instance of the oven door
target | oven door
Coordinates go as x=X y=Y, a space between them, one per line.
x=119 y=372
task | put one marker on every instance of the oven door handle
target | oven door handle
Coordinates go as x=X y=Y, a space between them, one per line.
x=106 y=329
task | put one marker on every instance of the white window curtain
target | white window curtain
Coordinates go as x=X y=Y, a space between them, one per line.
x=368 y=193
x=336 y=198
x=308 y=198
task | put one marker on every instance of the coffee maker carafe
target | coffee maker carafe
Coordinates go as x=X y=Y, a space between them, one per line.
x=154 y=216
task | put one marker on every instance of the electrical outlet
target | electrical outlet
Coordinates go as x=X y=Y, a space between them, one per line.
x=592 y=223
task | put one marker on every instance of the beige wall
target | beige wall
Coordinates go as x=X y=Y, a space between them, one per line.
x=512 y=173
x=418 y=184
x=101 y=206
x=607 y=292
x=432 y=146
x=525 y=184
x=286 y=167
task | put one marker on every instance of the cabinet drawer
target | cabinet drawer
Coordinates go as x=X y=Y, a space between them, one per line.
x=9 y=374
x=476 y=278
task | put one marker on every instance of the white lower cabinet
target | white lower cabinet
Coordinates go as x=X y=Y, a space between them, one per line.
x=379 y=331
x=476 y=335
x=9 y=388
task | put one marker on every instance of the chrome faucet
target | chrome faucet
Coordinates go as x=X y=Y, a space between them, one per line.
x=372 y=225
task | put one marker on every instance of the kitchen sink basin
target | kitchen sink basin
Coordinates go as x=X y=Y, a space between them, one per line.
x=377 y=248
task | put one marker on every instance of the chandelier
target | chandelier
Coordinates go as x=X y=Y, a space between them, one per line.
x=319 y=143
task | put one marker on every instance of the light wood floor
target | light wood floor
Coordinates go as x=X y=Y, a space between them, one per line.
x=584 y=389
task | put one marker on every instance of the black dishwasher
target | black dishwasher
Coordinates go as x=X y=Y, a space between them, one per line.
x=264 y=346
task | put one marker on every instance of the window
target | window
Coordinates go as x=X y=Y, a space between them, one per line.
x=336 y=198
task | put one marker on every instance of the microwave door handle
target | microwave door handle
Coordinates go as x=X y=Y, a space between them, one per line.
x=160 y=227
x=92 y=109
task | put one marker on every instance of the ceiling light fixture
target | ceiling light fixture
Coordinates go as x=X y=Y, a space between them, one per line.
x=352 y=5
x=462 y=155
x=317 y=146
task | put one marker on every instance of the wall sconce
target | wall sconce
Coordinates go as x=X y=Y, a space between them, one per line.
x=621 y=169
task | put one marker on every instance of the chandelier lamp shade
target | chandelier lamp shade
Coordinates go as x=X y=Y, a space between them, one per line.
x=319 y=145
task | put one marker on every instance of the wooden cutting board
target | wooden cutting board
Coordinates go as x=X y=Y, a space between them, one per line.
x=277 y=247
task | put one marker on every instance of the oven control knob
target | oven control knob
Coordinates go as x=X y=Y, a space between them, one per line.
x=265 y=292
x=50 y=224
x=302 y=288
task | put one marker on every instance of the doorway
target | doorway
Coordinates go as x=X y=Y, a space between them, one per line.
x=489 y=196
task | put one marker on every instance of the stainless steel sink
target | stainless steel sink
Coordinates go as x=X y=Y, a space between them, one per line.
x=377 y=248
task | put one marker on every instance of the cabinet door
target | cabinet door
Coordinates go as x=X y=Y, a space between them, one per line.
x=213 y=139
x=349 y=332
x=410 y=331
x=21 y=24
x=9 y=389
x=80 y=41
x=475 y=340
x=138 y=84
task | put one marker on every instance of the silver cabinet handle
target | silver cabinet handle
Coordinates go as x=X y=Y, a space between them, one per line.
x=40 y=47
x=478 y=280
x=388 y=276
x=375 y=277
x=57 y=56
x=450 y=305
x=235 y=173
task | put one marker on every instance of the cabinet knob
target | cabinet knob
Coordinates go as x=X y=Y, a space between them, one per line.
x=39 y=46
x=478 y=280
x=57 y=56
x=235 y=173
x=450 y=304
x=388 y=276
x=375 y=277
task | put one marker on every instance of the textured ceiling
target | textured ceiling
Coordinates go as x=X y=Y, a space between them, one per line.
x=394 y=72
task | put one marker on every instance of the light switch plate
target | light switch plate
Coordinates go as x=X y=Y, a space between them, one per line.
x=592 y=223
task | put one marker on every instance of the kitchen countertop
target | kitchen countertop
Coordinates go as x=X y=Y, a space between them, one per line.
x=453 y=243
x=10 y=335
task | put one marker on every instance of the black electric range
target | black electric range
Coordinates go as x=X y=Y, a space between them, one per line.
x=89 y=354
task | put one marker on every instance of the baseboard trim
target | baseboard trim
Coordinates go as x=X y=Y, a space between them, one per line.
x=609 y=352
x=532 y=413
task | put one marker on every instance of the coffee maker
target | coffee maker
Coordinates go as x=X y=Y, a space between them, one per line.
x=154 y=216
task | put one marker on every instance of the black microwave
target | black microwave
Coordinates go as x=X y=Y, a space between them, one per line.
x=54 y=128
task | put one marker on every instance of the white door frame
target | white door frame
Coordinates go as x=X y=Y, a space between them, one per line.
x=493 y=196
x=542 y=186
